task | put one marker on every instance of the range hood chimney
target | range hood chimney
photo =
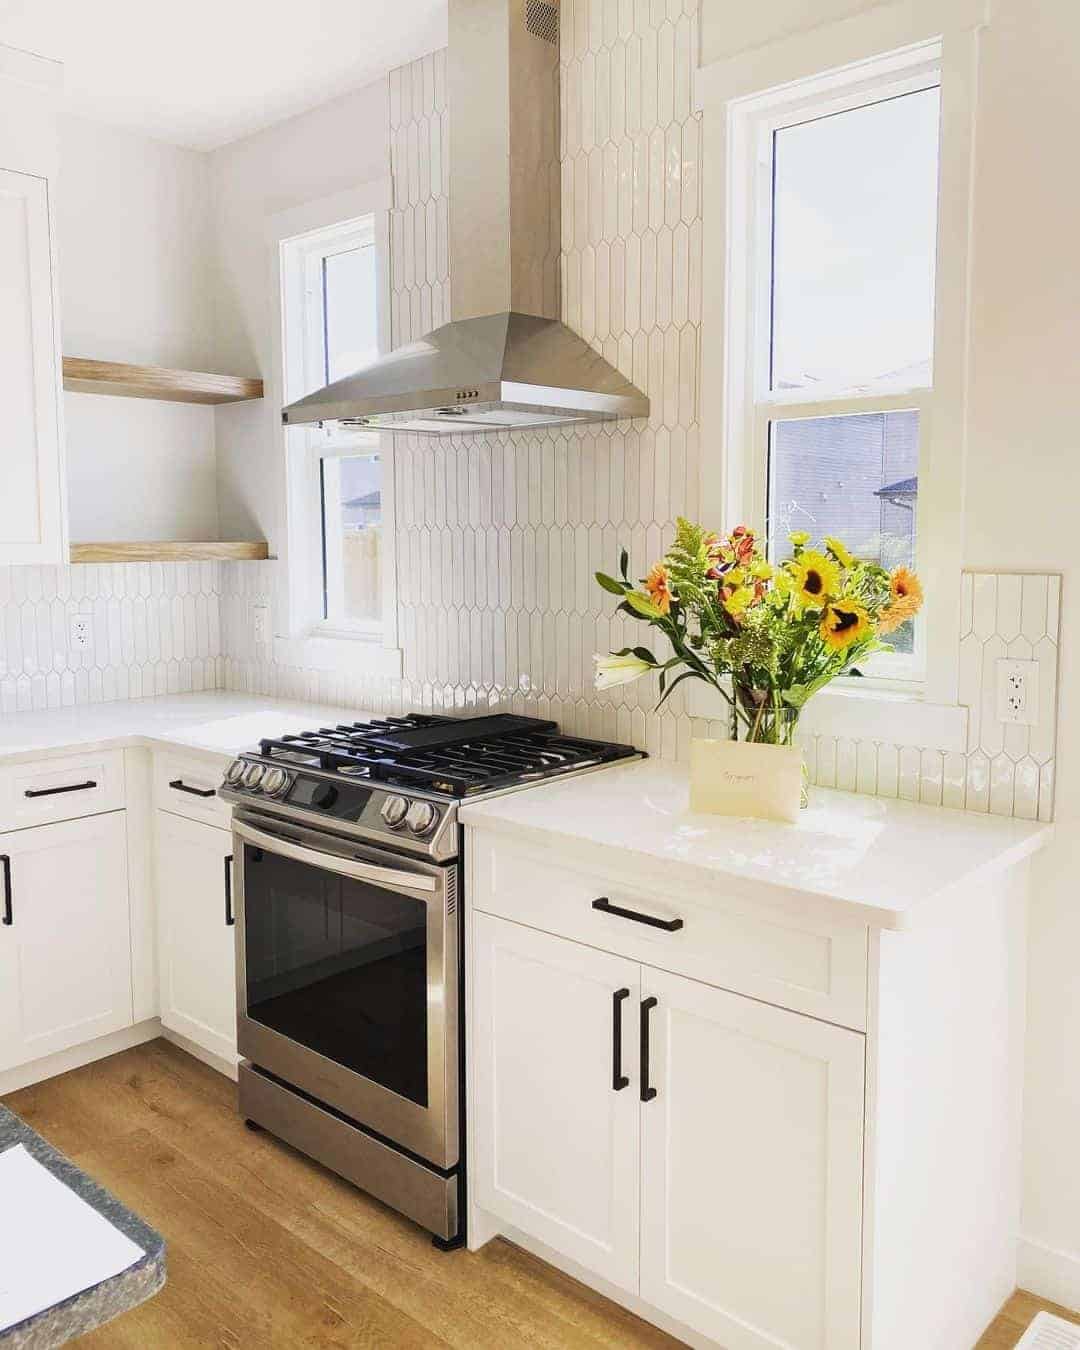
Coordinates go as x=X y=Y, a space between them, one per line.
x=505 y=359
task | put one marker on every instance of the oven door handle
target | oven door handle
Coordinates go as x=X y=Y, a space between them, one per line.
x=349 y=867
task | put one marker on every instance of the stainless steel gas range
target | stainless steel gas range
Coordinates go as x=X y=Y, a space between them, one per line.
x=348 y=884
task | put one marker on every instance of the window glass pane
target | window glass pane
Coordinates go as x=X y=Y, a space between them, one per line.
x=854 y=235
x=352 y=538
x=351 y=334
x=855 y=477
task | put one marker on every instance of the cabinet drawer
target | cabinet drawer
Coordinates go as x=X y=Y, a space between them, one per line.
x=46 y=790
x=724 y=939
x=187 y=786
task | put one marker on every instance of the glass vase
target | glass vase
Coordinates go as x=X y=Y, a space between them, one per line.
x=763 y=718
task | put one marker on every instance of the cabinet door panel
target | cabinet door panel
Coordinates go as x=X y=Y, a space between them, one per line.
x=31 y=504
x=557 y=1153
x=752 y=1170
x=197 y=947
x=65 y=958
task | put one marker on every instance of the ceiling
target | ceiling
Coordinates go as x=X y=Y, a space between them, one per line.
x=208 y=72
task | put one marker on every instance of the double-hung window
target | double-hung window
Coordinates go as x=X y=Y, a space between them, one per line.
x=341 y=479
x=833 y=195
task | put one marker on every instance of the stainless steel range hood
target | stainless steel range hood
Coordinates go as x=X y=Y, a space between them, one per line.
x=505 y=360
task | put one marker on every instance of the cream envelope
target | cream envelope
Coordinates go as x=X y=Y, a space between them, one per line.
x=737 y=778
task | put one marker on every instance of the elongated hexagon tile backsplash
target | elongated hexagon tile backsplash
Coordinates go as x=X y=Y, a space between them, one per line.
x=497 y=537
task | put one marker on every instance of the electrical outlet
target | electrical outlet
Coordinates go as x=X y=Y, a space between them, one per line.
x=260 y=625
x=81 y=632
x=1018 y=692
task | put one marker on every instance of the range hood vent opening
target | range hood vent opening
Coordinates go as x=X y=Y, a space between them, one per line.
x=505 y=360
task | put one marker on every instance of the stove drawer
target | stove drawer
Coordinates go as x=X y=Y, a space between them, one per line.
x=717 y=937
x=187 y=785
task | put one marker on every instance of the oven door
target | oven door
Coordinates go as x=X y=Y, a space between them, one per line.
x=347 y=979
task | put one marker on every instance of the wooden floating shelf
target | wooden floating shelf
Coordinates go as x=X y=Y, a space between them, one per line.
x=168 y=551
x=172 y=386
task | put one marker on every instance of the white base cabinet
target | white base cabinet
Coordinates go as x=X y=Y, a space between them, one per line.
x=65 y=955
x=196 y=944
x=694 y=1147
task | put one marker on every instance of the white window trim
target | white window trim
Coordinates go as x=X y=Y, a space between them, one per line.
x=302 y=636
x=947 y=32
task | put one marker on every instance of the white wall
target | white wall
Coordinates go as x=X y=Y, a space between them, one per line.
x=134 y=282
x=322 y=152
x=1023 y=476
x=1020 y=508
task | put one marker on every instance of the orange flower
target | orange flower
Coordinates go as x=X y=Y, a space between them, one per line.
x=656 y=583
x=906 y=594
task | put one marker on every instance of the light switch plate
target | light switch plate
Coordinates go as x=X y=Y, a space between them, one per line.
x=1018 y=692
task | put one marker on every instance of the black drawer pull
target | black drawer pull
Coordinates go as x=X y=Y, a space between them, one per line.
x=178 y=785
x=53 y=792
x=230 y=917
x=618 y=1079
x=9 y=917
x=606 y=907
x=647 y=1092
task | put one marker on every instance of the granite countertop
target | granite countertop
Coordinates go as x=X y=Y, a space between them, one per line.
x=83 y=1312
x=880 y=861
x=216 y=723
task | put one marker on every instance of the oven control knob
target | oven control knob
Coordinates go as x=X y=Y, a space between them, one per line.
x=253 y=776
x=274 y=781
x=235 y=771
x=324 y=796
x=421 y=817
x=394 y=812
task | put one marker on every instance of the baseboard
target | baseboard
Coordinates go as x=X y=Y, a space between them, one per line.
x=23 y=1075
x=1052 y=1274
x=207 y=1057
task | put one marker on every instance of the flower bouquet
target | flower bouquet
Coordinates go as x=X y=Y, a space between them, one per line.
x=766 y=637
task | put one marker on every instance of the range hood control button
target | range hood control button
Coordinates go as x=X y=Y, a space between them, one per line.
x=421 y=817
x=394 y=812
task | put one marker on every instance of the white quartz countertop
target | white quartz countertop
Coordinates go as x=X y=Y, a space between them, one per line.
x=880 y=860
x=218 y=723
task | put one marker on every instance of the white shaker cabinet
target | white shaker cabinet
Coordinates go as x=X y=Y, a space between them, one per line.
x=32 y=504
x=559 y=1157
x=65 y=956
x=196 y=943
x=751 y=1208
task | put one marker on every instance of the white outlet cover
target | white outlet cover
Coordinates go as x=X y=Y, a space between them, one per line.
x=81 y=631
x=260 y=625
x=1018 y=692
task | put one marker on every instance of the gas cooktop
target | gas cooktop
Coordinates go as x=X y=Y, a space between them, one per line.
x=399 y=779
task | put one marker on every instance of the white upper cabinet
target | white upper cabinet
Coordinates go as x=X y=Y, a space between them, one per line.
x=32 y=508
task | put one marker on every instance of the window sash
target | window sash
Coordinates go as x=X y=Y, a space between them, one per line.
x=752 y=403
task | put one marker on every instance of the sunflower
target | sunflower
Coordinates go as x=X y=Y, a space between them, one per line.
x=659 y=588
x=905 y=600
x=816 y=577
x=839 y=550
x=843 y=623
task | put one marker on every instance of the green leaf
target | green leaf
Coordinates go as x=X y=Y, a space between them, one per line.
x=666 y=694
x=610 y=584
x=624 y=563
x=642 y=654
x=642 y=605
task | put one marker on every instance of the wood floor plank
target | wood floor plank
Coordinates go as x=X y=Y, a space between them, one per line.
x=267 y=1248
x=1015 y=1318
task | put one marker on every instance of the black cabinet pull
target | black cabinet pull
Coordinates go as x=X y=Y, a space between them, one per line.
x=53 y=792
x=5 y=863
x=606 y=907
x=618 y=1079
x=647 y=1092
x=178 y=785
x=230 y=917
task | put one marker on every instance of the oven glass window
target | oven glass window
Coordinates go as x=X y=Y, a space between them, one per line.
x=339 y=966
